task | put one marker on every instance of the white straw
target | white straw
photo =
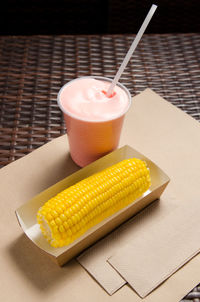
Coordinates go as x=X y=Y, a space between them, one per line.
x=132 y=48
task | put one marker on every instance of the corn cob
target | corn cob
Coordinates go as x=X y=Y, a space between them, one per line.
x=72 y=212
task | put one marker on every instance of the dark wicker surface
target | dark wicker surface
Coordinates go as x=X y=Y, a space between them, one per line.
x=32 y=70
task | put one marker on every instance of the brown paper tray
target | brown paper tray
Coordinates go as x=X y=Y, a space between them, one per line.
x=26 y=214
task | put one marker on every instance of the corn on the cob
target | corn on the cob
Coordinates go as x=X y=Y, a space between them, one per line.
x=73 y=211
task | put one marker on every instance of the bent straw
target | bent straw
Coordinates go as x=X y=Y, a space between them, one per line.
x=132 y=48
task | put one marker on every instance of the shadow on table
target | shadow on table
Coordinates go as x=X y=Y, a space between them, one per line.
x=38 y=267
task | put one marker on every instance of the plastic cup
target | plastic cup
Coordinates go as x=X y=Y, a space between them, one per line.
x=90 y=140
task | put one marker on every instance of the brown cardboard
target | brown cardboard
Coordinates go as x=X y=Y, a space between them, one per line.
x=167 y=250
x=27 y=213
x=27 y=273
x=170 y=136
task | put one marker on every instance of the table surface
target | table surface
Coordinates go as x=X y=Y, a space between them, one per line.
x=33 y=68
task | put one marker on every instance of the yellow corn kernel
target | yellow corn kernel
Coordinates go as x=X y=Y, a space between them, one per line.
x=73 y=211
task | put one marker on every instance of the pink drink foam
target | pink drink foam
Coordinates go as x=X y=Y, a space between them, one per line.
x=86 y=99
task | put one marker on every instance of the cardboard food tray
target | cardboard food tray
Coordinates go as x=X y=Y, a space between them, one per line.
x=26 y=214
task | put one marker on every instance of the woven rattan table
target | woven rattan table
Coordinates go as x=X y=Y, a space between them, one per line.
x=33 y=68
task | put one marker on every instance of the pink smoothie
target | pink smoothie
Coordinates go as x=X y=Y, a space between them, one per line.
x=86 y=99
x=93 y=120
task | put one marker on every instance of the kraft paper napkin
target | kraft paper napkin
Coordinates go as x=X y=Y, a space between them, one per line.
x=26 y=272
x=170 y=244
x=171 y=139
